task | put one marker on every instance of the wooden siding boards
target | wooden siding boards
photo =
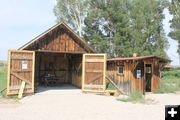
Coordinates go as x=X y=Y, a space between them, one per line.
x=20 y=68
x=128 y=81
x=94 y=71
x=59 y=38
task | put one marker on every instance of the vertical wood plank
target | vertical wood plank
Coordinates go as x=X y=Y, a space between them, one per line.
x=21 y=89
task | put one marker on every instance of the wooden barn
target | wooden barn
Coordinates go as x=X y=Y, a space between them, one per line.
x=57 y=56
x=136 y=73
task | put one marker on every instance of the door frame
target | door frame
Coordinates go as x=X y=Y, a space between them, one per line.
x=83 y=72
x=9 y=71
x=145 y=77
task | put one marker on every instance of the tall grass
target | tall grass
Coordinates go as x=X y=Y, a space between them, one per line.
x=170 y=82
x=3 y=78
x=136 y=97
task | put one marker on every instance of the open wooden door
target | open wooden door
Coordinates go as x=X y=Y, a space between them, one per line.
x=93 y=72
x=21 y=65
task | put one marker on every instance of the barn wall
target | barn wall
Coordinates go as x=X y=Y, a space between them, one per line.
x=128 y=81
x=59 y=40
x=123 y=81
x=76 y=70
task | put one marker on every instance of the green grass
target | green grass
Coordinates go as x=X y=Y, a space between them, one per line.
x=170 y=82
x=169 y=85
x=110 y=86
x=136 y=97
x=3 y=78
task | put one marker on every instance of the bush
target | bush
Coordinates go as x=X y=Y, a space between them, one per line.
x=170 y=74
x=135 y=96
x=110 y=86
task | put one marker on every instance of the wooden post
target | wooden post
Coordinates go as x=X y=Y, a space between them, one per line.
x=21 y=89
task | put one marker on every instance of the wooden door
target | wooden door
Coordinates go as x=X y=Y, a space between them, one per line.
x=93 y=72
x=20 y=71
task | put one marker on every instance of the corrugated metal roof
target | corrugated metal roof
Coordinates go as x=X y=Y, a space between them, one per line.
x=169 y=66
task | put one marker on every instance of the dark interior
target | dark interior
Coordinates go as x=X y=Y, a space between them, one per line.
x=56 y=69
x=148 y=75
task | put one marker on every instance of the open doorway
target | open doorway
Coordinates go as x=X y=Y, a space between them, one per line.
x=148 y=76
x=58 y=70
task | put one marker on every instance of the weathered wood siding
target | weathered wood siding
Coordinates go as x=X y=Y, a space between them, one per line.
x=60 y=40
x=155 y=80
x=128 y=81
x=94 y=68
x=20 y=68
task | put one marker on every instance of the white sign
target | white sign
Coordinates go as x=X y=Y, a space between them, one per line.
x=24 y=64
x=138 y=74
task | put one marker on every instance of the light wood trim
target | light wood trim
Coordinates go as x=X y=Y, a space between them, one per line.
x=93 y=86
x=22 y=51
x=21 y=89
x=105 y=67
x=94 y=54
x=33 y=70
x=94 y=91
x=94 y=71
x=70 y=52
x=9 y=68
x=94 y=60
x=83 y=71
x=15 y=93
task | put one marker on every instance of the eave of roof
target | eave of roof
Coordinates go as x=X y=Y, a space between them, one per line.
x=137 y=58
x=52 y=28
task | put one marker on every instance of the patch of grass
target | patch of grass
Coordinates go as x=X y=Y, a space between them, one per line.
x=169 y=85
x=170 y=82
x=3 y=79
x=136 y=97
x=110 y=86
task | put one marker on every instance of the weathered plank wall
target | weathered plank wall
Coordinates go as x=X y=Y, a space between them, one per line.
x=94 y=68
x=60 y=40
x=20 y=68
x=128 y=81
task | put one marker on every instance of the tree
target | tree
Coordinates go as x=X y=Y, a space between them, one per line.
x=174 y=7
x=122 y=27
x=148 y=34
x=72 y=12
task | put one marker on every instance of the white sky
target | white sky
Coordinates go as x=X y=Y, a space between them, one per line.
x=22 y=20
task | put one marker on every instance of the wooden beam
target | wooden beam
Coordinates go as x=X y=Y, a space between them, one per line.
x=114 y=85
x=20 y=77
x=95 y=78
x=21 y=89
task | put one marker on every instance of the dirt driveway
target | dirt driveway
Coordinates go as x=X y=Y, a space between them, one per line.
x=74 y=105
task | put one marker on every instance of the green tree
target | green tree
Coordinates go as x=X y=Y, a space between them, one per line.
x=122 y=27
x=72 y=12
x=174 y=7
x=147 y=28
x=107 y=26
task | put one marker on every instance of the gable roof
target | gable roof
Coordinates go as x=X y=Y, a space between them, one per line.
x=138 y=58
x=51 y=29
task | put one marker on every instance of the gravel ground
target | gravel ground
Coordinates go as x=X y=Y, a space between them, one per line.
x=64 y=104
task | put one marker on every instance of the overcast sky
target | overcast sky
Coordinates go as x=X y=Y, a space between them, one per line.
x=22 y=20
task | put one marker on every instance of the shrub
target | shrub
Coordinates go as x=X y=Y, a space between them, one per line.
x=135 y=96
